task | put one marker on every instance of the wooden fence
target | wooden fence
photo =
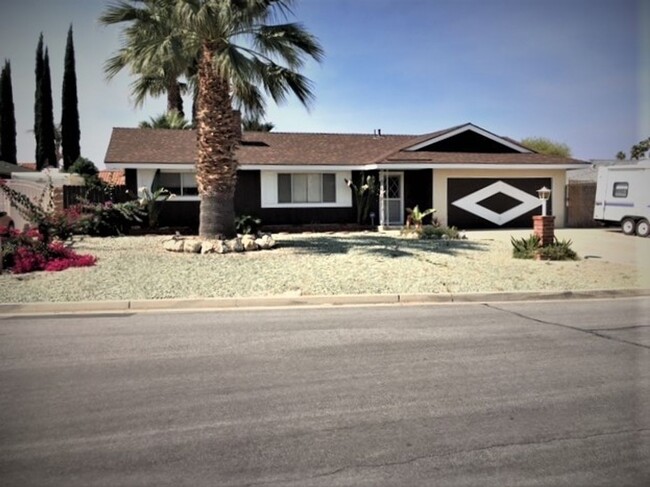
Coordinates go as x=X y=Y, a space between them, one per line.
x=580 y=204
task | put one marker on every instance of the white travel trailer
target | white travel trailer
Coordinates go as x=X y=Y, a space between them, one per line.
x=623 y=197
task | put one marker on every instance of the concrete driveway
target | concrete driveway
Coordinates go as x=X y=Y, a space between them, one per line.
x=608 y=244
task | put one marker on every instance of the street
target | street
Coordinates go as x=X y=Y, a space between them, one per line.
x=529 y=393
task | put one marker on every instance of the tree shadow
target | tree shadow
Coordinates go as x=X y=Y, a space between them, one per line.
x=381 y=245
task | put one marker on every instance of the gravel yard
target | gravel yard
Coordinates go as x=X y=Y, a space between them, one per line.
x=308 y=264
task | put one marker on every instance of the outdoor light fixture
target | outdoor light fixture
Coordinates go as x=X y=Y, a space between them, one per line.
x=544 y=194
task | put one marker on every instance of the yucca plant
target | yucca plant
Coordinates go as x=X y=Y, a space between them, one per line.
x=525 y=247
x=416 y=217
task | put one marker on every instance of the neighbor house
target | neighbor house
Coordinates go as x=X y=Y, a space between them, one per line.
x=472 y=177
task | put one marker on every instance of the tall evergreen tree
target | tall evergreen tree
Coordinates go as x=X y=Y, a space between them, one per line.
x=7 y=117
x=47 y=122
x=70 y=133
x=38 y=104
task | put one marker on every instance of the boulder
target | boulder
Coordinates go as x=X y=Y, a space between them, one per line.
x=173 y=244
x=213 y=247
x=235 y=245
x=192 y=245
x=248 y=241
x=265 y=242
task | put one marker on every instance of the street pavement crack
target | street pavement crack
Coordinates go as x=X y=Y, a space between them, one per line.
x=588 y=331
x=450 y=453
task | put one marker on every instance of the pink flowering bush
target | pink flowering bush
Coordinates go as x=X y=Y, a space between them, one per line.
x=24 y=252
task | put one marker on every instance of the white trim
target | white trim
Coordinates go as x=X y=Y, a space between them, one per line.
x=460 y=167
x=386 y=219
x=472 y=128
x=149 y=165
x=303 y=167
x=401 y=166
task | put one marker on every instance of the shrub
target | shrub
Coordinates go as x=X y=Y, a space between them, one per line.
x=108 y=218
x=532 y=248
x=247 y=224
x=24 y=252
x=525 y=248
x=152 y=203
x=432 y=232
x=416 y=217
x=558 y=250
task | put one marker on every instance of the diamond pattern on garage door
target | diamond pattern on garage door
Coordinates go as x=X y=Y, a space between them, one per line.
x=472 y=203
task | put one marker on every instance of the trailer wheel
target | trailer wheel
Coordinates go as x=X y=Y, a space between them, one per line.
x=628 y=226
x=643 y=228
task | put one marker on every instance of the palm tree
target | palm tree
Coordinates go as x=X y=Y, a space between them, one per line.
x=240 y=54
x=158 y=71
x=255 y=125
x=169 y=120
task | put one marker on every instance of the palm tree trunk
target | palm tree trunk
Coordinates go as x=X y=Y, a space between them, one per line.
x=174 y=98
x=216 y=166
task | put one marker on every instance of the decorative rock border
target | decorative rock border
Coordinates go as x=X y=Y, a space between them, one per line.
x=194 y=245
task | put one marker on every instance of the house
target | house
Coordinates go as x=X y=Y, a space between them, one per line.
x=7 y=168
x=474 y=178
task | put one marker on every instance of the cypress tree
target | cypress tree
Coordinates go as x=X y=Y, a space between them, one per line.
x=47 y=123
x=70 y=133
x=7 y=117
x=38 y=105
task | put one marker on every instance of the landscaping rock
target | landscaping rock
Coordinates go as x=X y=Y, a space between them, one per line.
x=235 y=245
x=265 y=242
x=192 y=246
x=248 y=241
x=213 y=247
x=173 y=244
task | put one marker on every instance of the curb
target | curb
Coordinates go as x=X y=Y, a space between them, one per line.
x=297 y=301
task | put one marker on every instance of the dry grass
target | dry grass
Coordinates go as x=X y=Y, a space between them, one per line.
x=308 y=264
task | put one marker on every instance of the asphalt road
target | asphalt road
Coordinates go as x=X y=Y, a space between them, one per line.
x=548 y=393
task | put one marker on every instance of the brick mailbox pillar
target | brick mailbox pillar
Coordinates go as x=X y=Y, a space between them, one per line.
x=544 y=228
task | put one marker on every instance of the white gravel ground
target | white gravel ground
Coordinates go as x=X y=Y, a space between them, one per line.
x=308 y=264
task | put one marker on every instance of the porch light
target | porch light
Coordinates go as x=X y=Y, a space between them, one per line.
x=544 y=194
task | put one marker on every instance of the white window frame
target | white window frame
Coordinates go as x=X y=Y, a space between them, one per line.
x=269 y=189
x=184 y=175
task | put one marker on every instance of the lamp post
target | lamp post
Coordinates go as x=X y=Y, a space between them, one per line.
x=543 y=194
x=543 y=225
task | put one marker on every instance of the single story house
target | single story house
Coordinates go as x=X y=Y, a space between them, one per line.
x=472 y=177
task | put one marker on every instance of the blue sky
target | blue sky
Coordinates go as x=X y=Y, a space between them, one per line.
x=575 y=71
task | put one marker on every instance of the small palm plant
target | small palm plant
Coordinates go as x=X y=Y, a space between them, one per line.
x=152 y=202
x=416 y=217
x=363 y=196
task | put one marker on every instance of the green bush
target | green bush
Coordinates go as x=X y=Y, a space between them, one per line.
x=531 y=248
x=432 y=232
x=525 y=248
x=558 y=250
x=247 y=224
x=109 y=219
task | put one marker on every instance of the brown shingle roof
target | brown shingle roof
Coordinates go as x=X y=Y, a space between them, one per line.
x=130 y=145
x=157 y=146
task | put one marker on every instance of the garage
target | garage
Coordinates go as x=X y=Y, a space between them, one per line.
x=494 y=202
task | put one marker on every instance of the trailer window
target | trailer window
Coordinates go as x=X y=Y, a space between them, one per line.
x=620 y=190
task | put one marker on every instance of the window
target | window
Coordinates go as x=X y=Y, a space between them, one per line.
x=620 y=190
x=307 y=188
x=179 y=183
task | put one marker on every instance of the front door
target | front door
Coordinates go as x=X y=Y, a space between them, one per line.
x=393 y=198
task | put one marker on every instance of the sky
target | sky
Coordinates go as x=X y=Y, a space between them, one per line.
x=574 y=71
